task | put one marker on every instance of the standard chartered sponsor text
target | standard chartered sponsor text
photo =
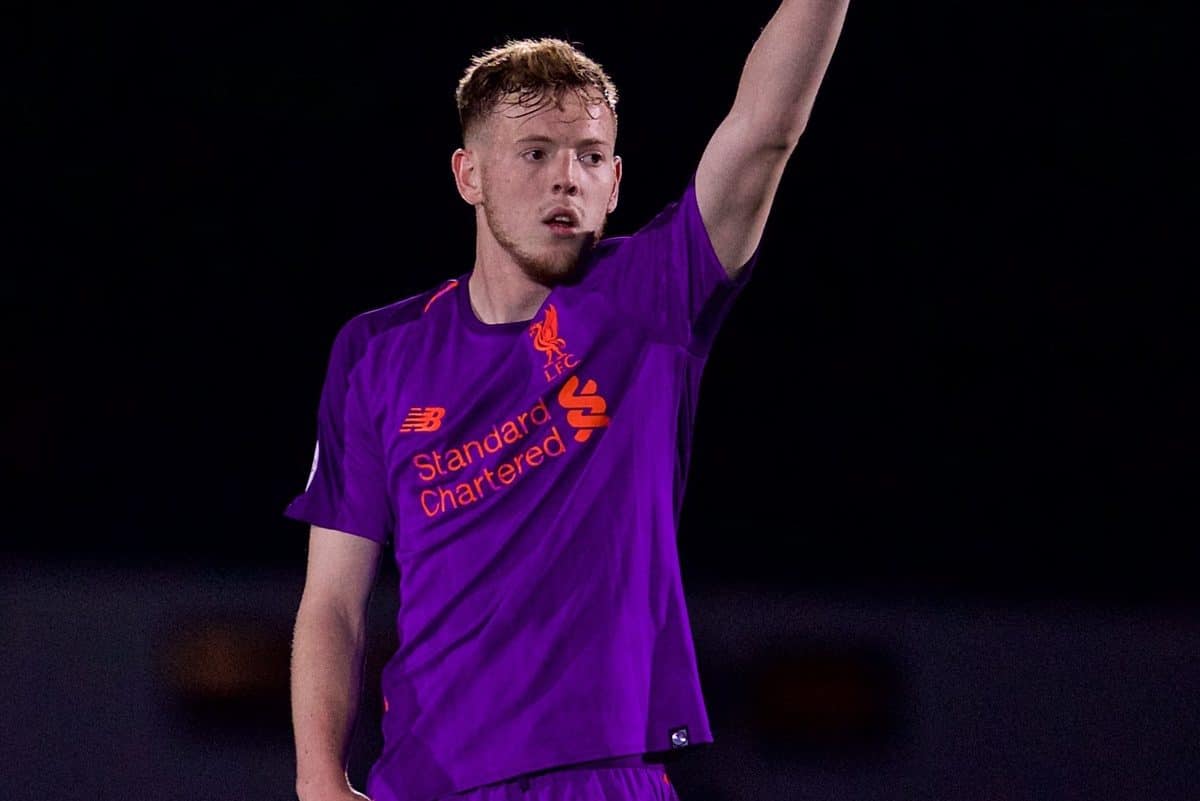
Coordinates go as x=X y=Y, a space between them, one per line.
x=535 y=424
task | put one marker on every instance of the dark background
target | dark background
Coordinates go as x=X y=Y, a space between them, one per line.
x=960 y=368
x=939 y=536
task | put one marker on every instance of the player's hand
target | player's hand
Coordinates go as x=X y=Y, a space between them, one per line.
x=338 y=794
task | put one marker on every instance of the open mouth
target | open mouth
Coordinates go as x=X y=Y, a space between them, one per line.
x=562 y=222
x=561 y=229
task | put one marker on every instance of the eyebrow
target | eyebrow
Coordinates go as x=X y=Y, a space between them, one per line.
x=580 y=143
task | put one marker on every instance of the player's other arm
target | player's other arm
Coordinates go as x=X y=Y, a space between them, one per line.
x=740 y=169
x=327 y=657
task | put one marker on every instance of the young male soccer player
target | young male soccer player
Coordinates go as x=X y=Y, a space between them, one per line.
x=518 y=436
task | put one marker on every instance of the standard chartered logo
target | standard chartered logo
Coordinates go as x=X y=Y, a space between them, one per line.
x=540 y=443
x=585 y=408
x=432 y=466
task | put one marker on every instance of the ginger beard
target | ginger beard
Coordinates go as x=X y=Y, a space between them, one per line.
x=555 y=261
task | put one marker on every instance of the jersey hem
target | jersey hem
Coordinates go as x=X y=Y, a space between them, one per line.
x=574 y=762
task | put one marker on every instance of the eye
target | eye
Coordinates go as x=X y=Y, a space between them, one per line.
x=530 y=153
x=599 y=157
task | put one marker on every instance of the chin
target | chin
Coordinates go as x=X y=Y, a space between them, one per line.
x=556 y=265
x=549 y=273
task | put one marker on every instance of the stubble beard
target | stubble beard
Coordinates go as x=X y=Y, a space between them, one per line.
x=552 y=268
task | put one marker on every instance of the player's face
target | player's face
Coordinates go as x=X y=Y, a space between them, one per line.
x=542 y=160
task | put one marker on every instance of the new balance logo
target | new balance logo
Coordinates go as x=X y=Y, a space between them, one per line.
x=423 y=418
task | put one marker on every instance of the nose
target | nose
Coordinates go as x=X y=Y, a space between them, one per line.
x=566 y=178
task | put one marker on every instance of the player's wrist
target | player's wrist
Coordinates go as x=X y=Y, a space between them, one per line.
x=327 y=787
x=343 y=794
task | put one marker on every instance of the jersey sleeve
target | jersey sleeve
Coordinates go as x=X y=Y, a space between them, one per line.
x=670 y=275
x=347 y=488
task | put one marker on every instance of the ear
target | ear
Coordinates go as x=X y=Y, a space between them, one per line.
x=464 y=164
x=616 y=190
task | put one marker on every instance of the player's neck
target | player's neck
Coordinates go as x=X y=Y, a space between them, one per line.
x=504 y=296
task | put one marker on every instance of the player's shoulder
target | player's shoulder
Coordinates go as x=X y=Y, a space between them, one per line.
x=358 y=333
x=668 y=215
x=614 y=250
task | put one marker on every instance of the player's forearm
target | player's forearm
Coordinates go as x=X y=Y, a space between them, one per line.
x=327 y=652
x=786 y=65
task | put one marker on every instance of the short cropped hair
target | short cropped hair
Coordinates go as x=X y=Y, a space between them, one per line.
x=536 y=70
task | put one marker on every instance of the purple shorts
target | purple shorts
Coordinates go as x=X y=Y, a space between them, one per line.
x=632 y=778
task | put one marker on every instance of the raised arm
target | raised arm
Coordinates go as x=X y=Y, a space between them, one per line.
x=743 y=162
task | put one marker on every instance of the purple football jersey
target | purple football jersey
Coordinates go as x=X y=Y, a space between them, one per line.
x=529 y=477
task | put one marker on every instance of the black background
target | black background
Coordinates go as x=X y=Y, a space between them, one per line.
x=960 y=367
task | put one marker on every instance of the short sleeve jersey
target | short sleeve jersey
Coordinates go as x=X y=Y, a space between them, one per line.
x=529 y=477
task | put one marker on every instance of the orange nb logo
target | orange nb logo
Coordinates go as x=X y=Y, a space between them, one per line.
x=546 y=339
x=423 y=418
x=585 y=408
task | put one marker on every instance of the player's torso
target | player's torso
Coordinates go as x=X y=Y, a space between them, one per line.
x=481 y=422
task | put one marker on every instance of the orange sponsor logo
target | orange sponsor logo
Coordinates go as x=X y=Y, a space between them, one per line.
x=423 y=418
x=585 y=408
x=546 y=339
x=477 y=469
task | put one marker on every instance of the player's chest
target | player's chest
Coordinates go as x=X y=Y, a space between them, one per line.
x=571 y=364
